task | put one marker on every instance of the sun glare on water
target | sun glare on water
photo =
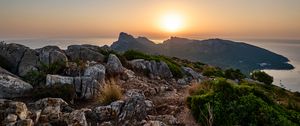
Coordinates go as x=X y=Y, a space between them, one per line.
x=172 y=22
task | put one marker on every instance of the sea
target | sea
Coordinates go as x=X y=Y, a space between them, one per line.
x=288 y=79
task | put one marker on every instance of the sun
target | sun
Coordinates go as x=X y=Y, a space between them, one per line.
x=172 y=22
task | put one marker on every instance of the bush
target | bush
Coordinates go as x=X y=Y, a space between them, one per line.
x=262 y=77
x=232 y=104
x=173 y=66
x=234 y=74
x=211 y=71
x=110 y=93
x=66 y=92
x=38 y=78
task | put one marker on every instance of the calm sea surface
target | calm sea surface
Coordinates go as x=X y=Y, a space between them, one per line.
x=288 y=48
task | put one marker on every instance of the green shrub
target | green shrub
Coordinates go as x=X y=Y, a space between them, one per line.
x=173 y=66
x=262 y=77
x=38 y=78
x=234 y=74
x=232 y=104
x=66 y=92
x=211 y=71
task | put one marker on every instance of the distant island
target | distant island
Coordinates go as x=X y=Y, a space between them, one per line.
x=217 y=52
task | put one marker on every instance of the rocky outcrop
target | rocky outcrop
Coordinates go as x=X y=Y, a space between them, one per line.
x=12 y=87
x=86 y=53
x=97 y=72
x=18 y=59
x=114 y=65
x=28 y=62
x=12 y=112
x=85 y=87
x=154 y=68
x=51 y=54
x=192 y=73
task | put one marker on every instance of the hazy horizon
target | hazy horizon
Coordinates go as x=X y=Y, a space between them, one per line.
x=267 y=19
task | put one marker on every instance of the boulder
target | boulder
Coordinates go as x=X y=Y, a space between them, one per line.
x=97 y=72
x=28 y=62
x=114 y=65
x=12 y=87
x=153 y=68
x=109 y=112
x=191 y=72
x=86 y=53
x=11 y=55
x=87 y=87
x=134 y=108
x=76 y=118
x=51 y=54
x=10 y=109
x=51 y=109
x=57 y=79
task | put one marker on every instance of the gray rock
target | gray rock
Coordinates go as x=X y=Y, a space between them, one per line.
x=154 y=68
x=86 y=53
x=97 y=72
x=11 y=55
x=87 y=87
x=44 y=53
x=57 y=56
x=76 y=118
x=192 y=73
x=114 y=65
x=57 y=79
x=28 y=62
x=12 y=87
x=134 y=109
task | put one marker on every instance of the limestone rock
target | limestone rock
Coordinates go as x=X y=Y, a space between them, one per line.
x=114 y=65
x=154 y=68
x=192 y=73
x=86 y=87
x=97 y=72
x=11 y=55
x=86 y=53
x=134 y=109
x=57 y=79
x=12 y=87
x=51 y=54
x=28 y=62
x=76 y=118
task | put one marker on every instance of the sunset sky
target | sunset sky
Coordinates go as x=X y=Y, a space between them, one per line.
x=152 y=18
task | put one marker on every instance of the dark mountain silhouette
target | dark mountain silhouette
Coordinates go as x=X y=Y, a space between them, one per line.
x=218 y=52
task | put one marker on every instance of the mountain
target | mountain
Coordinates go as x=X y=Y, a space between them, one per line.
x=217 y=52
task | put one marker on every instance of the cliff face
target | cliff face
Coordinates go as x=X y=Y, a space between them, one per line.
x=218 y=52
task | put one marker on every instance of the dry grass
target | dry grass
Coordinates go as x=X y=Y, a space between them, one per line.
x=195 y=87
x=110 y=92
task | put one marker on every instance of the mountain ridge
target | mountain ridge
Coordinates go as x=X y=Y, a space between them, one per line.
x=218 y=52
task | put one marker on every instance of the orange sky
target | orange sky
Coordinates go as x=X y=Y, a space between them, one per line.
x=103 y=18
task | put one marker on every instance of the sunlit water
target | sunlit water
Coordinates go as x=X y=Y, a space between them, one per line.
x=290 y=79
x=290 y=49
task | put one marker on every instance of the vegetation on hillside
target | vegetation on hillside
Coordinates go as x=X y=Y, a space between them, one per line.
x=224 y=102
x=262 y=77
x=173 y=66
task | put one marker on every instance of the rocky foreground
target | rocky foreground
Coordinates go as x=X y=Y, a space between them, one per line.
x=151 y=95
